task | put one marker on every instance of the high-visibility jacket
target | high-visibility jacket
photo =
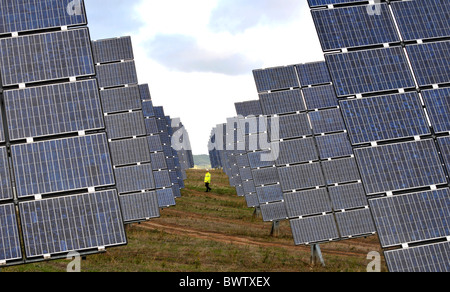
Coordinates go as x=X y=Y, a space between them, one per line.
x=208 y=178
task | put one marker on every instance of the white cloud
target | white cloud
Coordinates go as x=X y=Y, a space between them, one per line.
x=179 y=79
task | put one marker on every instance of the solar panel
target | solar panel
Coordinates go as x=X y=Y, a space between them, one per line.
x=62 y=165
x=158 y=161
x=273 y=212
x=430 y=19
x=297 y=151
x=306 y=203
x=348 y=196
x=291 y=126
x=126 y=125
x=132 y=151
x=252 y=200
x=65 y=54
x=341 y=28
x=134 y=178
x=121 y=99
x=53 y=110
x=261 y=159
x=31 y=15
x=145 y=92
x=313 y=74
x=278 y=78
x=154 y=143
x=400 y=166
x=282 y=102
x=10 y=248
x=269 y=194
x=355 y=223
x=249 y=108
x=437 y=103
x=112 y=50
x=427 y=258
x=334 y=146
x=341 y=171
x=166 y=198
x=246 y=173
x=117 y=74
x=140 y=206
x=80 y=222
x=401 y=219
x=265 y=176
x=317 y=3
x=302 y=176
x=151 y=126
x=444 y=145
x=147 y=108
x=370 y=71
x=327 y=121
x=320 y=97
x=384 y=118
x=162 y=179
x=6 y=189
x=430 y=62
x=314 y=229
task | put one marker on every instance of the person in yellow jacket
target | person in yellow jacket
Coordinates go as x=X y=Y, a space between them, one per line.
x=207 y=180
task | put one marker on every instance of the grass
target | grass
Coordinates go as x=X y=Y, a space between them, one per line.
x=214 y=232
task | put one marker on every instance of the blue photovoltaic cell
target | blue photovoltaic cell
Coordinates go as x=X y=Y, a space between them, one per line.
x=261 y=159
x=269 y=194
x=437 y=102
x=166 y=198
x=112 y=50
x=27 y=15
x=355 y=223
x=125 y=125
x=307 y=203
x=315 y=3
x=327 y=121
x=422 y=19
x=9 y=233
x=314 y=229
x=313 y=74
x=341 y=171
x=77 y=223
x=120 y=99
x=2 y=131
x=333 y=146
x=400 y=166
x=265 y=176
x=370 y=71
x=282 y=102
x=249 y=108
x=427 y=258
x=131 y=151
x=48 y=56
x=162 y=179
x=151 y=126
x=430 y=62
x=400 y=219
x=341 y=28
x=147 y=108
x=444 y=145
x=296 y=151
x=53 y=110
x=154 y=143
x=117 y=74
x=134 y=178
x=276 y=78
x=348 y=196
x=320 y=97
x=385 y=117
x=158 y=161
x=273 y=211
x=145 y=92
x=139 y=207
x=6 y=189
x=303 y=176
x=62 y=165
x=291 y=126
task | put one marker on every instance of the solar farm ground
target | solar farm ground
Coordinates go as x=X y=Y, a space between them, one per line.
x=215 y=232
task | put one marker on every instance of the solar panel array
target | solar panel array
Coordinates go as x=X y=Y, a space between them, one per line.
x=127 y=136
x=57 y=177
x=76 y=162
x=398 y=70
x=297 y=163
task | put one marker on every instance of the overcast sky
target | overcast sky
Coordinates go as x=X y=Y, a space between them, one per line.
x=198 y=55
